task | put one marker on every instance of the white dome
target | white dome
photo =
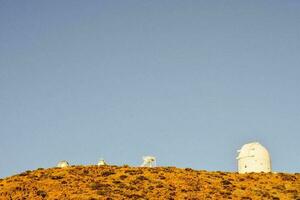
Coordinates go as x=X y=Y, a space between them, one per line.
x=63 y=164
x=102 y=162
x=253 y=157
x=149 y=161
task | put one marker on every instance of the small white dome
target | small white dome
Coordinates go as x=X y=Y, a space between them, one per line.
x=149 y=161
x=63 y=164
x=253 y=157
x=102 y=162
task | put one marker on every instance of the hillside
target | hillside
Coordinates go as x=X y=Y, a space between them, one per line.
x=112 y=182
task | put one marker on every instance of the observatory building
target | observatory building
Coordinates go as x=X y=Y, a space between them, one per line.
x=102 y=162
x=149 y=161
x=63 y=164
x=253 y=157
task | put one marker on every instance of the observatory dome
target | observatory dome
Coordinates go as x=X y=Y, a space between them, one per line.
x=253 y=157
x=62 y=164
x=149 y=161
x=102 y=162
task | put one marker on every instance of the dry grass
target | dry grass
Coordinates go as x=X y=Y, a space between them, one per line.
x=112 y=182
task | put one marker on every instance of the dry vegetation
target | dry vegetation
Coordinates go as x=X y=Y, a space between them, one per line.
x=112 y=182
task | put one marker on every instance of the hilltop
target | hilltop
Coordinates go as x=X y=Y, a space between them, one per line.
x=112 y=182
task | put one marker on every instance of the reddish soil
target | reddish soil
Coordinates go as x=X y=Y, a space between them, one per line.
x=112 y=182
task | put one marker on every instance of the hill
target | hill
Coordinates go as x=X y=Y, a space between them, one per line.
x=112 y=182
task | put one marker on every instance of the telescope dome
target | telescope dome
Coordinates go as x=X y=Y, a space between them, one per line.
x=253 y=157
x=62 y=164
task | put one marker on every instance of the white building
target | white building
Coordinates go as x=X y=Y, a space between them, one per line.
x=102 y=162
x=149 y=161
x=63 y=164
x=253 y=157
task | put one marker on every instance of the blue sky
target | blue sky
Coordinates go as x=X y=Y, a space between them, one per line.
x=187 y=81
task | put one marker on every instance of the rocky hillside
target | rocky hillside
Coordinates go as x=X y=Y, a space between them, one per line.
x=112 y=182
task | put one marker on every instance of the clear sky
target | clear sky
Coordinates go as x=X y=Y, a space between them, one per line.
x=186 y=81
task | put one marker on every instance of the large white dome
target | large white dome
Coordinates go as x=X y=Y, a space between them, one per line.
x=253 y=157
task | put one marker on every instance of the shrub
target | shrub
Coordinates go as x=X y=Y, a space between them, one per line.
x=122 y=177
x=142 y=178
x=41 y=193
x=246 y=198
x=226 y=182
x=107 y=173
x=98 y=186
